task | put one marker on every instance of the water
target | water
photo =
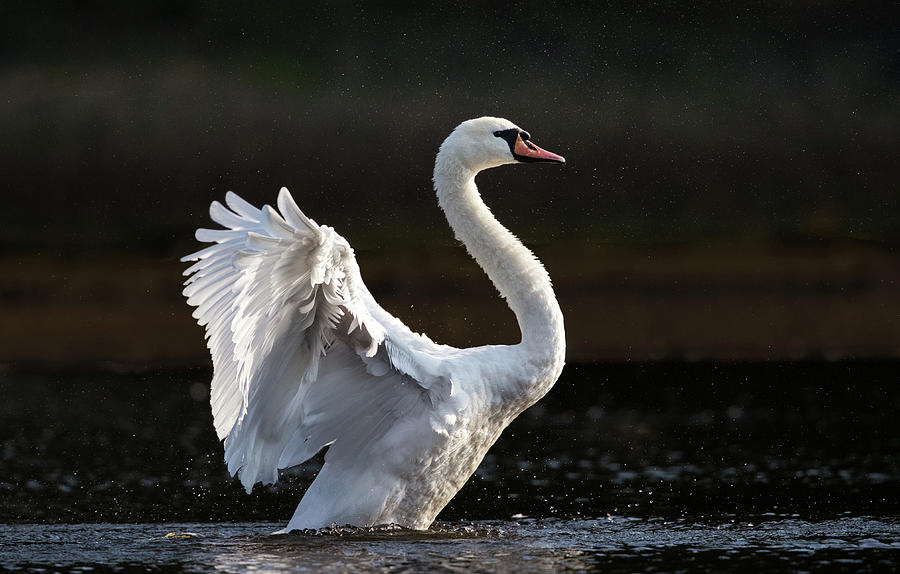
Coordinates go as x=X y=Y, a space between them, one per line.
x=646 y=467
x=614 y=544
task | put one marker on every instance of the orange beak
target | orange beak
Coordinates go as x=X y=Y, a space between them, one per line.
x=524 y=150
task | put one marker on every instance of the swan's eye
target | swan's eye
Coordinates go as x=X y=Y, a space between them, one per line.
x=509 y=136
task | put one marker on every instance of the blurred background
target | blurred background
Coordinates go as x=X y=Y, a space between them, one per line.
x=731 y=189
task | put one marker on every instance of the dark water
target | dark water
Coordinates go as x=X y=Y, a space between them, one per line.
x=644 y=467
x=613 y=544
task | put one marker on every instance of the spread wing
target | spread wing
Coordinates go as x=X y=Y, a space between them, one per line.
x=303 y=356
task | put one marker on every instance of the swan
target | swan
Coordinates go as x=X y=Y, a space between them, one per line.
x=304 y=357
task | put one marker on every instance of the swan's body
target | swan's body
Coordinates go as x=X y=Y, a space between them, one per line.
x=305 y=358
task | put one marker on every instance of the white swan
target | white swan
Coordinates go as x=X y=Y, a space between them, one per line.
x=305 y=358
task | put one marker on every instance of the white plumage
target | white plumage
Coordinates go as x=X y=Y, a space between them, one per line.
x=304 y=357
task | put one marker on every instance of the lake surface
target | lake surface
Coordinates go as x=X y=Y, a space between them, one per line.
x=623 y=467
x=612 y=544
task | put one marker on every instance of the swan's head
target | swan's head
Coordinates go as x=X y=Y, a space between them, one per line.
x=487 y=142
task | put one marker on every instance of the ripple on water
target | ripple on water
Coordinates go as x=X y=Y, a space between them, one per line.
x=615 y=543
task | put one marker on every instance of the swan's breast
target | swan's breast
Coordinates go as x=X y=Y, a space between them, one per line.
x=441 y=471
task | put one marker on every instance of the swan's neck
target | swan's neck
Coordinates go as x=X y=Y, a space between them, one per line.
x=515 y=271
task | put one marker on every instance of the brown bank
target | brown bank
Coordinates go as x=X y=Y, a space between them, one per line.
x=634 y=303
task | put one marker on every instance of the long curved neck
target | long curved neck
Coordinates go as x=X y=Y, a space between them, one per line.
x=515 y=271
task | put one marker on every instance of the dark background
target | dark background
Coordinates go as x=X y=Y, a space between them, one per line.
x=730 y=191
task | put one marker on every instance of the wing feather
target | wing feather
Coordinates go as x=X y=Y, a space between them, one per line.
x=301 y=351
x=242 y=207
x=227 y=218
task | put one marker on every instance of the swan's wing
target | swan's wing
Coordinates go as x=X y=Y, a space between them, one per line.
x=302 y=354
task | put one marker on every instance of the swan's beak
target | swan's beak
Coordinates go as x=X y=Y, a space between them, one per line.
x=524 y=150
